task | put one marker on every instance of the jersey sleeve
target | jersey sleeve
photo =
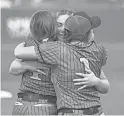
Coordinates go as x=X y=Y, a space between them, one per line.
x=47 y=52
x=104 y=55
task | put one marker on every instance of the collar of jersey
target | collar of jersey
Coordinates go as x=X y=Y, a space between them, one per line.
x=82 y=44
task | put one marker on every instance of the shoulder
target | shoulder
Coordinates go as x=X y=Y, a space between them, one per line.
x=101 y=47
x=53 y=43
x=102 y=50
x=29 y=41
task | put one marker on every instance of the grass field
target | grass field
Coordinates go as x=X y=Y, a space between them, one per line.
x=112 y=102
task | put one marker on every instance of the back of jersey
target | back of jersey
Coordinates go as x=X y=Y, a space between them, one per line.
x=69 y=64
x=43 y=86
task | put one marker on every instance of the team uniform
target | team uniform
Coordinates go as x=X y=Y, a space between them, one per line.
x=66 y=60
x=36 y=97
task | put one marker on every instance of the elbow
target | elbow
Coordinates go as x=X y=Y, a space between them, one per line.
x=15 y=68
x=10 y=70
x=13 y=71
x=106 y=89
x=17 y=53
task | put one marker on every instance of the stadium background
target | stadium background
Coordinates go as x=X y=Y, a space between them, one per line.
x=14 y=23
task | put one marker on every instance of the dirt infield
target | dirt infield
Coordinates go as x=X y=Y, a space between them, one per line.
x=112 y=102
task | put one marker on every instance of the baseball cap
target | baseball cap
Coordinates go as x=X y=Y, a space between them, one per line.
x=94 y=20
x=77 y=25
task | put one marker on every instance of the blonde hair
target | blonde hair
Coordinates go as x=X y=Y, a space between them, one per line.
x=43 y=25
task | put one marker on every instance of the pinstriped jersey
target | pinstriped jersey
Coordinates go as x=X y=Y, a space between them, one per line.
x=66 y=59
x=44 y=86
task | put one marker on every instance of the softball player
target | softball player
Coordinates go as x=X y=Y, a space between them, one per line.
x=103 y=89
x=37 y=95
x=61 y=17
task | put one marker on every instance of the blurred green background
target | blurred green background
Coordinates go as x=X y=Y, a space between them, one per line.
x=110 y=34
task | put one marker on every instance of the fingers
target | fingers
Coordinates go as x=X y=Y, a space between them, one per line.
x=81 y=74
x=80 y=83
x=77 y=80
x=82 y=87
x=41 y=72
x=35 y=78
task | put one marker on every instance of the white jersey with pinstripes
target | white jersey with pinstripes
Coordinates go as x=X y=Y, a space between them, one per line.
x=45 y=86
x=66 y=59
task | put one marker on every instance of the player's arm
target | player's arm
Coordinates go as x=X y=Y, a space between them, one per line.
x=104 y=55
x=89 y=79
x=26 y=53
x=18 y=68
x=103 y=84
x=45 y=52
